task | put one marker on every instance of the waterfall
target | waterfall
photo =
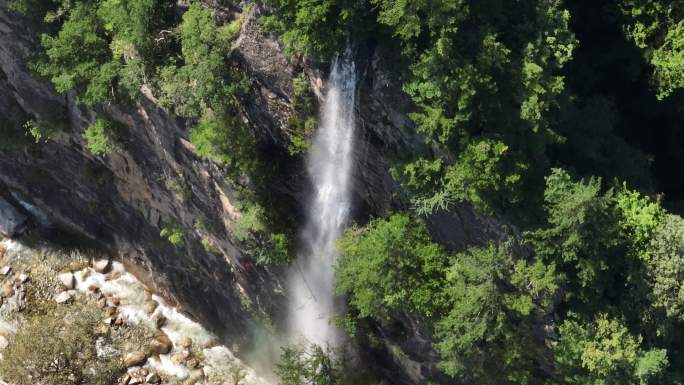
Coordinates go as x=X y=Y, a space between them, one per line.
x=329 y=164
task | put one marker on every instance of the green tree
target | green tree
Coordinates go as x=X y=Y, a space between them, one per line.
x=605 y=353
x=317 y=28
x=78 y=57
x=665 y=256
x=308 y=366
x=101 y=49
x=225 y=140
x=204 y=82
x=657 y=28
x=253 y=229
x=493 y=300
x=639 y=217
x=480 y=72
x=582 y=234
x=133 y=27
x=135 y=21
x=392 y=266
x=485 y=174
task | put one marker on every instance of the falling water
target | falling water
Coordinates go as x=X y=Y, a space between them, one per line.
x=329 y=164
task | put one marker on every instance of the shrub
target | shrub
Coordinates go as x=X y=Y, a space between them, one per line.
x=253 y=231
x=173 y=233
x=225 y=140
x=180 y=186
x=98 y=137
x=59 y=349
x=302 y=122
x=209 y=247
x=39 y=132
x=312 y=365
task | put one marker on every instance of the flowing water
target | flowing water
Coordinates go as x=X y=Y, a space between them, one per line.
x=330 y=163
x=135 y=300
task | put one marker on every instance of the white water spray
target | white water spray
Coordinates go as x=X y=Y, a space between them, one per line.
x=311 y=279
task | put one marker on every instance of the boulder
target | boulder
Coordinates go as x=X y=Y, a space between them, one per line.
x=67 y=280
x=185 y=342
x=5 y=270
x=185 y=354
x=63 y=297
x=159 y=320
x=4 y=343
x=7 y=289
x=178 y=359
x=161 y=345
x=150 y=307
x=135 y=359
x=101 y=265
x=12 y=222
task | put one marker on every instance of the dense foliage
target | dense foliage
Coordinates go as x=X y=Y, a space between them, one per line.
x=392 y=266
x=108 y=50
x=608 y=257
x=657 y=27
x=302 y=122
x=481 y=304
x=526 y=119
x=318 y=27
x=253 y=229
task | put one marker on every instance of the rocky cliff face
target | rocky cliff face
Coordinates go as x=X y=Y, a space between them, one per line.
x=120 y=202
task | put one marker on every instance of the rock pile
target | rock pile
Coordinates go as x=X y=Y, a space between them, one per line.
x=158 y=344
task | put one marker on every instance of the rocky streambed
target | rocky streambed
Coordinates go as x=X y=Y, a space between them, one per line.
x=153 y=341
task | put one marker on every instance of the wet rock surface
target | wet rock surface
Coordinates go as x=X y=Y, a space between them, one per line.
x=12 y=221
x=180 y=352
x=135 y=359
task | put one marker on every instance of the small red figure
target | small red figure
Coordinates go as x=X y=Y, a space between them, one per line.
x=247 y=264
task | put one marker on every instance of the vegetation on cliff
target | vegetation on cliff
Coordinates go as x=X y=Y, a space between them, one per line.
x=562 y=118
x=501 y=94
